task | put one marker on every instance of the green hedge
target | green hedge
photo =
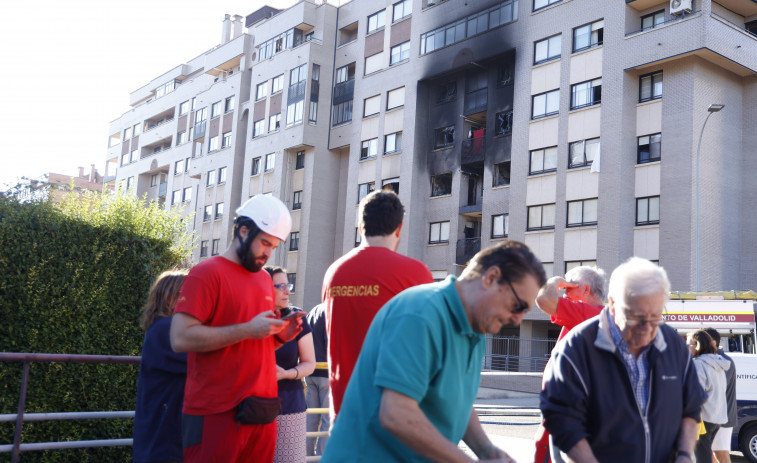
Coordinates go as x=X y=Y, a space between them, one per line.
x=73 y=278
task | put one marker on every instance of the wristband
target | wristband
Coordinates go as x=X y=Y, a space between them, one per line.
x=683 y=453
x=277 y=338
x=296 y=372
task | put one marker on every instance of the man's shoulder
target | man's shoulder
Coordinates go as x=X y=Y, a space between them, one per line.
x=581 y=337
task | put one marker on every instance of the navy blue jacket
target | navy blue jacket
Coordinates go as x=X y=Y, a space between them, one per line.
x=160 y=395
x=588 y=394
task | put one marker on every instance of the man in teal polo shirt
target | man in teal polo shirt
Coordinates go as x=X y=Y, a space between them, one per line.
x=411 y=395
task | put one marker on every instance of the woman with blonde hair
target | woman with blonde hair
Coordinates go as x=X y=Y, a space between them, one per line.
x=162 y=374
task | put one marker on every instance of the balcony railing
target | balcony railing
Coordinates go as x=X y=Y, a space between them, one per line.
x=473 y=149
x=344 y=91
x=199 y=130
x=296 y=92
x=151 y=125
x=466 y=249
x=667 y=21
x=475 y=102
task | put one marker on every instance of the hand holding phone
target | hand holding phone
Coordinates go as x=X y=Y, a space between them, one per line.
x=293 y=313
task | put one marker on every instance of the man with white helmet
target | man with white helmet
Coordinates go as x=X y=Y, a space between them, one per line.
x=225 y=319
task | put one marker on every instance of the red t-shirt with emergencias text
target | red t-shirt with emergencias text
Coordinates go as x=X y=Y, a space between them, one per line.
x=219 y=292
x=572 y=313
x=355 y=287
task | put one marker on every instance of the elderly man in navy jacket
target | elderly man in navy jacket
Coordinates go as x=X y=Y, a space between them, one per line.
x=622 y=387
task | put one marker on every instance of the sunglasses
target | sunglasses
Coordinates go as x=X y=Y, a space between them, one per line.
x=522 y=307
x=284 y=286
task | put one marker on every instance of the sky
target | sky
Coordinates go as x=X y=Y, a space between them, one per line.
x=69 y=67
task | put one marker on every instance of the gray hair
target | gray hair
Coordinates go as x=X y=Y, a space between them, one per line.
x=593 y=276
x=637 y=277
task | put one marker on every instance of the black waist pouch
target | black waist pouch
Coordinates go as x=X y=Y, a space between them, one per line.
x=258 y=410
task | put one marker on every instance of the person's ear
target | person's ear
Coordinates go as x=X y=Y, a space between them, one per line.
x=398 y=231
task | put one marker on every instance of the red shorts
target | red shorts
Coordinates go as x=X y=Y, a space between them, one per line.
x=220 y=438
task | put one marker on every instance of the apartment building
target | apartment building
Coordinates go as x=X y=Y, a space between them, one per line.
x=571 y=125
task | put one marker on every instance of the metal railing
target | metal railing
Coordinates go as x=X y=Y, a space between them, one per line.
x=667 y=21
x=512 y=353
x=20 y=416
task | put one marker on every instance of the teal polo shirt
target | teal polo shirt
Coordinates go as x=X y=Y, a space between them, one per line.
x=420 y=344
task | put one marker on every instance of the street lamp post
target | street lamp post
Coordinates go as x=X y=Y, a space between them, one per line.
x=712 y=109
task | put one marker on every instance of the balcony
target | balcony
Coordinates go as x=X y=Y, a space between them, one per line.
x=466 y=249
x=162 y=188
x=473 y=150
x=475 y=102
x=344 y=91
x=199 y=131
x=296 y=92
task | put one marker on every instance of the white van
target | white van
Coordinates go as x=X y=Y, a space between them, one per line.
x=745 y=432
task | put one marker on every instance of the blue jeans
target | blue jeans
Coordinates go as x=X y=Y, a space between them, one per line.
x=317 y=397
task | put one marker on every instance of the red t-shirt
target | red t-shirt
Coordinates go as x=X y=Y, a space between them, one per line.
x=219 y=292
x=354 y=289
x=572 y=313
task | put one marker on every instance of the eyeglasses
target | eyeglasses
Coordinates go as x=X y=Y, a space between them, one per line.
x=652 y=322
x=284 y=286
x=522 y=307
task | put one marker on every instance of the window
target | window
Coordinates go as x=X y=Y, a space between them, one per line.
x=258 y=128
x=292 y=277
x=501 y=174
x=186 y=165
x=133 y=156
x=204 y=248
x=261 y=91
x=130 y=183
x=277 y=84
x=274 y=122
x=175 y=196
x=294 y=112
x=371 y=105
x=402 y=9
x=438 y=232
x=395 y=98
x=392 y=184
x=210 y=178
x=313 y=112
x=255 y=167
x=154 y=180
x=400 y=53
x=294 y=241
x=376 y=21
x=183 y=107
x=547 y=49
x=222 y=175
x=441 y=184
x=571 y=264
x=650 y=86
x=446 y=92
x=504 y=74
x=545 y=104
x=500 y=225
x=297 y=200
x=393 y=143
x=187 y=196
x=215 y=246
x=369 y=149
x=542 y=161
x=299 y=161
x=226 y=140
x=228 y=105
x=652 y=20
x=374 y=63
x=583 y=152
x=207 y=214
x=181 y=138
x=586 y=94
x=539 y=4
x=215 y=110
x=648 y=210
x=124 y=159
x=135 y=130
x=444 y=136
x=219 y=211
x=504 y=123
x=588 y=36
x=541 y=217
x=342 y=113
x=213 y=144
x=192 y=104
x=495 y=16
x=178 y=167
x=269 y=162
x=201 y=115
x=358 y=238
x=649 y=148
x=363 y=189
x=127 y=133
x=582 y=212
x=298 y=74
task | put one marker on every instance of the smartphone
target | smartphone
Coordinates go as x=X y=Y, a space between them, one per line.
x=294 y=313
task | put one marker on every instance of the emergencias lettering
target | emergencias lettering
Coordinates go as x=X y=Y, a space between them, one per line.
x=351 y=291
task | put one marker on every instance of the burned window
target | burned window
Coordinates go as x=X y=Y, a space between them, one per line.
x=504 y=123
x=441 y=184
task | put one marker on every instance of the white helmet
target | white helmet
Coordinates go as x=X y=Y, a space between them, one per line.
x=269 y=214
